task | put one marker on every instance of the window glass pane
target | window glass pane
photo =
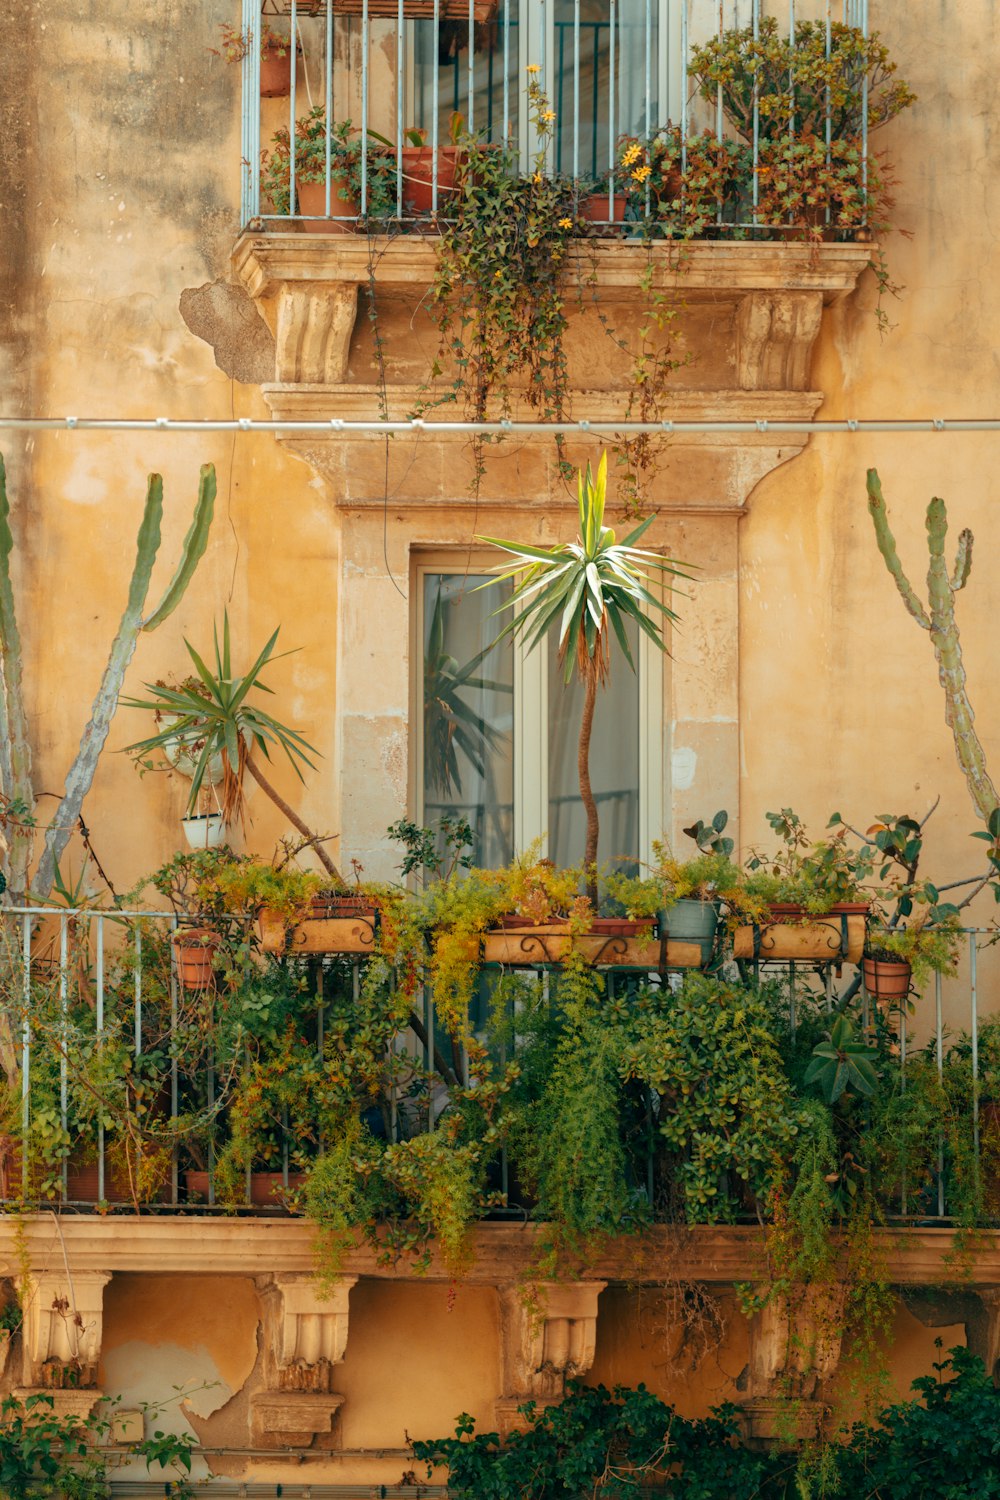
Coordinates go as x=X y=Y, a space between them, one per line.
x=493 y=111
x=635 y=71
x=614 y=762
x=468 y=709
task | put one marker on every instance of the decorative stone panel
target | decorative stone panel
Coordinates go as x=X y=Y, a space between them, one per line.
x=305 y=1337
x=61 y=1335
x=794 y=1350
x=544 y=1341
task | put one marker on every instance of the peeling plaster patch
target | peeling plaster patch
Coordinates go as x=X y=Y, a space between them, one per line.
x=393 y=757
x=684 y=764
x=150 y=1372
x=226 y=317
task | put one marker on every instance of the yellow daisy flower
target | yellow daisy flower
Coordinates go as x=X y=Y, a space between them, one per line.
x=565 y=223
x=533 y=68
x=641 y=173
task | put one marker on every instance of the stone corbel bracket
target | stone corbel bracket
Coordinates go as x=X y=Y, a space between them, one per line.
x=305 y=1337
x=62 y=1334
x=544 y=1343
x=757 y=312
x=794 y=1350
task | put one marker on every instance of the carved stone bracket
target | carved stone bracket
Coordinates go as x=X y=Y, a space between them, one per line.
x=775 y=333
x=543 y=1346
x=305 y=1336
x=315 y=323
x=794 y=1349
x=61 y=1338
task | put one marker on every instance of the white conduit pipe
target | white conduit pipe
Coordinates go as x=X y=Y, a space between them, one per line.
x=418 y=426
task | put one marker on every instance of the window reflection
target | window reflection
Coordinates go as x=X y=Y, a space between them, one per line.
x=468 y=713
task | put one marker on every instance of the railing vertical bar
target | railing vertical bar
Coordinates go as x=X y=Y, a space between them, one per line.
x=755 y=12
x=792 y=1018
x=400 y=85
x=864 y=115
x=26 y=1051
x=685 y=61
x=791 y=85
x=974 y=1005
x=576 y=96
x=99 y=1020
x=365 y=64
x=611 y=111
x=719 y=112
x=902 y=1089
x=174 y=1076
x=284 y=1147
x=210 y=1103
x=648 y=114
x=506 y=73
x=829 y=110
x=828 y=988
x=939 y=1050
x=471 y=73
x=436 y=52
x=250 y=84
x=293 y=206
x=63 y=1041
x=137 y=998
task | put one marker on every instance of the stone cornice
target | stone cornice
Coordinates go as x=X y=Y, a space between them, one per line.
x=177 y=1244
x=265 y=262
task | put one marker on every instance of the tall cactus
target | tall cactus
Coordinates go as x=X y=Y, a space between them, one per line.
x=15 y=758
x=939 y=620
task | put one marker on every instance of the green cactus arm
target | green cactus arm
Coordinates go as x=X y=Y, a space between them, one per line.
x=193 y=549
x=951 y=670
x=887 y=547
x=15 y=749
x=81 y=773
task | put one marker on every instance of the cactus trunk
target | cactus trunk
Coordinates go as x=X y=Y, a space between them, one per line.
x=939 y=619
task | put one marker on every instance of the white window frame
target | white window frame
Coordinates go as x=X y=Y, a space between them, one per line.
x=531 y=717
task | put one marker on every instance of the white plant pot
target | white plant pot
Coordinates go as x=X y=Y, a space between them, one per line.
x=204 y=832
x=186 y=761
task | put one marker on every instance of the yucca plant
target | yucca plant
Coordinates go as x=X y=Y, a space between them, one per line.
x=211 y=715
x=583 y=588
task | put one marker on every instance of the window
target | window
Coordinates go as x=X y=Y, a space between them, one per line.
x=603 y=67
x=496 y=731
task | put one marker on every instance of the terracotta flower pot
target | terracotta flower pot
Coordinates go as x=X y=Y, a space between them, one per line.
x=418 y=169
x=275 y=75
x=267 y=1189
x=624 y=927
x=311 y=198
x=594 y=208
x=886 y=979
x=194 y=950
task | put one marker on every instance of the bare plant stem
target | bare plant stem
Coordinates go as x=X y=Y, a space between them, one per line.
x=295 y=820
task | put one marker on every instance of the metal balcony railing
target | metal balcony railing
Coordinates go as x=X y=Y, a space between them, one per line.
x=375 y=85
x=119 y=1078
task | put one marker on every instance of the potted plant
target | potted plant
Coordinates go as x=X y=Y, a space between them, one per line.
x=417 y=159
x=227 y=722
x=896 y=957
x=276 y=53
x=316 y=149
x=807 y=901
x=591 y=587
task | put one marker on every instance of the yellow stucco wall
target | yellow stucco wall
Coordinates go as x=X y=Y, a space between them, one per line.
x=130 y=166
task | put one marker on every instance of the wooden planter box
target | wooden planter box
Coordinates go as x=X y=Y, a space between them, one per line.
x=526 y=947
x=792 y=934
x=333 y=927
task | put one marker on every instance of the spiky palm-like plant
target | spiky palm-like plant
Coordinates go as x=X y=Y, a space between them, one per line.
x=583 y=588
x=213 y=716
